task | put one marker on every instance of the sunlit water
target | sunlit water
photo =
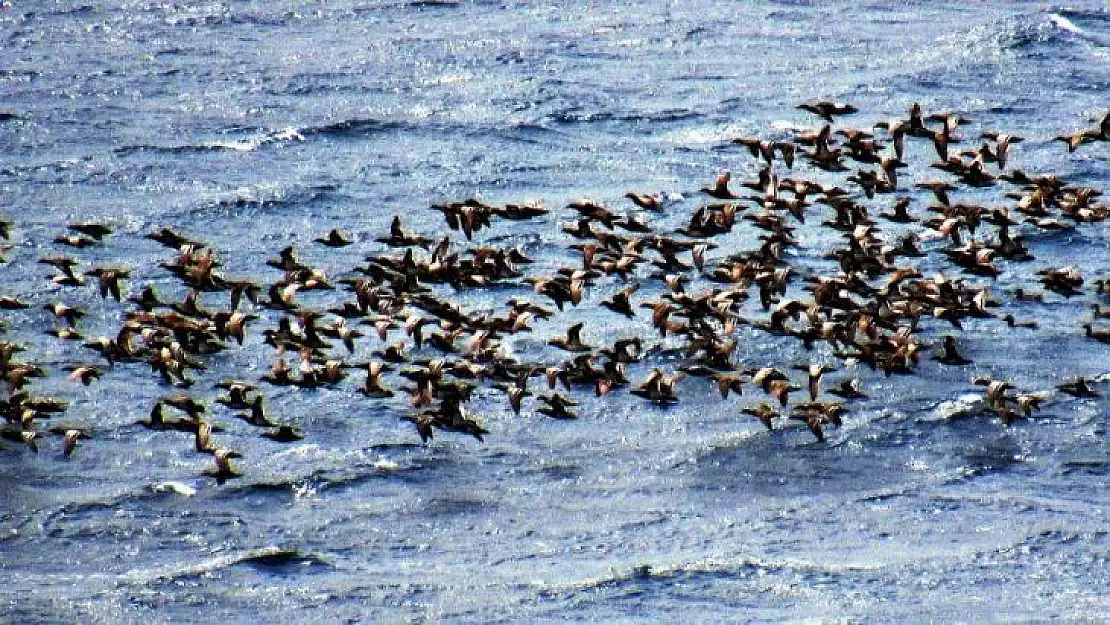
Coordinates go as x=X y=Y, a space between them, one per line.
x=259 y=125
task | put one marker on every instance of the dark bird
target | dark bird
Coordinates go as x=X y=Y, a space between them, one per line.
x=334 y=238
x=826 y=110
x=75 y=240
x=720 y=189
x=109 y=279
x=69 y=440
x=284 y=434
x=94 y=230
x=257 y=415
x=572 y=342
x=764 y=412
x=556 y=406
x=1101 y=335
x=1078 y=387
x=84 y=374
x=950 y=355
x=848 y=389
x=67 y=313
x=646 y=202
x=223 y=469
x=620 y=303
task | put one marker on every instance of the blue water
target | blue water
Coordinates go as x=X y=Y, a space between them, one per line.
x=257 y=125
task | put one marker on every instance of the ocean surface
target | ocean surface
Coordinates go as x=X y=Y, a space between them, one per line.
x=257 y=125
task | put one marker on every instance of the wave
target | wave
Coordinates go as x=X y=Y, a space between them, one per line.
x=241 y=145
x=423 y=4
x=270 y=559
x=576 y=115
x=355 y=127
x=271 y=196
x=1062 y=21
x=706 y=569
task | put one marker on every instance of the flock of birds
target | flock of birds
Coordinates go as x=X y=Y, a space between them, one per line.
x=868 y=310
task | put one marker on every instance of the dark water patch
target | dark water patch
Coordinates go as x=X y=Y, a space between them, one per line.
x=575 y=116
x=352 y=128
x=270 y=200
x=270 y=560
x=756 y=466
x=1089 y=27
x=129 y=150
x=284 y=562
x=1024 y=33
x=330 y=84
x=254 y=139
x=455 y=505
x=556 y=472
x=1091 y=466
x=433 y=4
x=1000 y=455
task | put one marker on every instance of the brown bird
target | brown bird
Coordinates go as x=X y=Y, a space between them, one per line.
x=94 y=230
x=84 y=374
x=620 y=303
x=764 y=412
x=68 y=313
x=224 y=470
x=12 y=303
x=781 y=389
x=720 y=189
x=728 y=382
x=75 y=240
x=572 y=342
x=815 y=372
x=284 y=434
x=1078 y=387
x=1099 y=334
x=109 y=278
x=374 y=387
x=556 y=406
x=950 y=355
x=848 y=389
x=813 y=420
x=646 y=202
x=423 y=423
x=658 y=387
x=826 y=110
x=69 y=440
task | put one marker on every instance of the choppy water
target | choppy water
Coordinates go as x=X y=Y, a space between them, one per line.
x=259 y=125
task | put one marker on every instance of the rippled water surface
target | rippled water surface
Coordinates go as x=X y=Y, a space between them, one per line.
x=257 y=125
